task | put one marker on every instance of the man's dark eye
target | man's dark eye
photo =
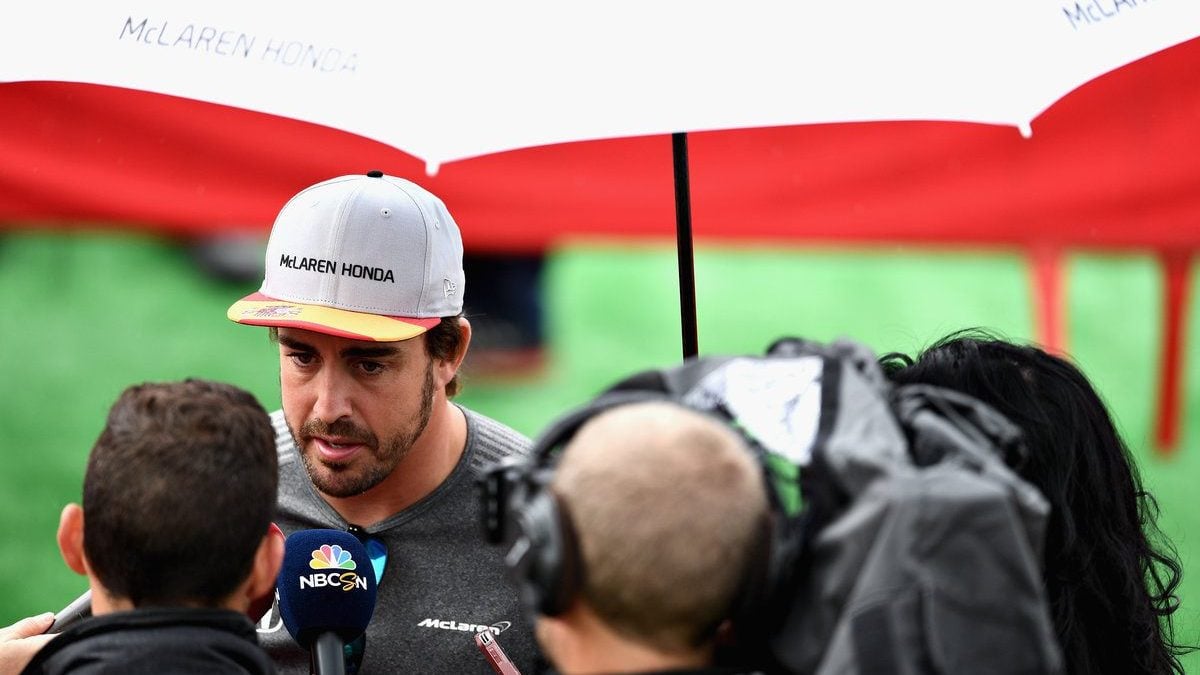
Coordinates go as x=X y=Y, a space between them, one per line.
x=301 y=358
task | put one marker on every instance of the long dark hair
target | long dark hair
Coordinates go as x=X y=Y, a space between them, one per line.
x=1111 y=574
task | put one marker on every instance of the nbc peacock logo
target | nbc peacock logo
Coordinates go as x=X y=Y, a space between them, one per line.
x=331 y=557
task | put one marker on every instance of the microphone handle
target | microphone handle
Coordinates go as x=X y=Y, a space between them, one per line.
x=80 y=608
x=328 y=655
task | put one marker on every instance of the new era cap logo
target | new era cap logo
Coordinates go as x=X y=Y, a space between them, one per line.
x=449 y=287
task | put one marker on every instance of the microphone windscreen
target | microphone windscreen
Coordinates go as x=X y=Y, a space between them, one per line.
x=326 y=585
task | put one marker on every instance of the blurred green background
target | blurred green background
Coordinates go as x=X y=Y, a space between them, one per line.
x=83 y=315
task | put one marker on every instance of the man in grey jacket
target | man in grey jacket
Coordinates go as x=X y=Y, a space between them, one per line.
x=363 y=293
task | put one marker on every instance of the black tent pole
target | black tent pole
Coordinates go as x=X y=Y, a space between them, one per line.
x=683 y=238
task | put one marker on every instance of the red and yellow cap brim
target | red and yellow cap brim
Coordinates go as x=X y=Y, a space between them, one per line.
x=257 y=309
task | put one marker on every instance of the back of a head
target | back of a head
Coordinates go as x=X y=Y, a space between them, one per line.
x=180 y=489
x=1100 y=556
x=670 y=508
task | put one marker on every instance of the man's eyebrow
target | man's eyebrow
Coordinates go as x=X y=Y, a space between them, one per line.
x=369 y=352
x=293 y=343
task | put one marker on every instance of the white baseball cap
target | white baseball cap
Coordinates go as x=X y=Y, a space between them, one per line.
x=368 y=257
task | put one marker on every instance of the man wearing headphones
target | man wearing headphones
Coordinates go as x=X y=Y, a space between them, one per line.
x=666 y=509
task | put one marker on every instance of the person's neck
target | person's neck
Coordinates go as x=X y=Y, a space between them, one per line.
x=598 y=649
x=104 y=602
x=430 y=461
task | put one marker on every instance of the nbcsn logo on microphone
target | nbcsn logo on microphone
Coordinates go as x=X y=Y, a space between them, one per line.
x=332 y=558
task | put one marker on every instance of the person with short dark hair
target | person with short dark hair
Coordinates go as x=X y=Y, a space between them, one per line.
x=1111 y=575
x=174 y=535
x=669 y=508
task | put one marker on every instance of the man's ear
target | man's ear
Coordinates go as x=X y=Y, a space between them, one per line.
x=70 y=538
x=448 y=368
x=464 y=330
x=265 y=570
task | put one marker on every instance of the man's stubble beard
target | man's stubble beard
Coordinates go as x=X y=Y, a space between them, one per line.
x=340 y=482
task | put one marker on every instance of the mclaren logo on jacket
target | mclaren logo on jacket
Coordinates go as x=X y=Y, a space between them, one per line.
x=496 y=628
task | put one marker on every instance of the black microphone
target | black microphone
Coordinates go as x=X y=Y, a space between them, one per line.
x=326 y=594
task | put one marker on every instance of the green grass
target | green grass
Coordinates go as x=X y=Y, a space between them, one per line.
x=84 y=315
